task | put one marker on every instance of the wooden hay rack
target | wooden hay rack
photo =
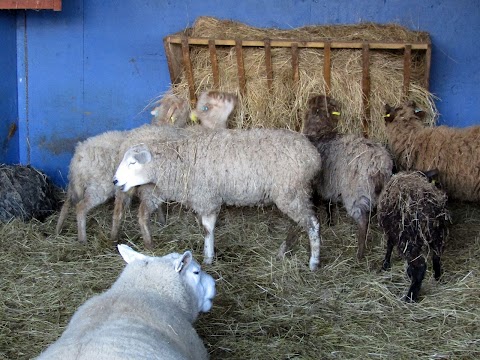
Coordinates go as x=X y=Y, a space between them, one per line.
x=178 y=47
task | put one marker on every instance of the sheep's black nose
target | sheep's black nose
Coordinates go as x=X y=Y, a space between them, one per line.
x=115 y=181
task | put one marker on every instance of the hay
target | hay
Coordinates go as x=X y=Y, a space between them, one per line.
x=283 y=106
x=265 y=309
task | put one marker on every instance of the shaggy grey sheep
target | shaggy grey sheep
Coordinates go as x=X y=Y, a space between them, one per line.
x=454 y=152
x=171 y=110
x=26 y=193
x=412 y=213
x=232 y=167
x=354 y=169
x=212 y=110
x=146 y=314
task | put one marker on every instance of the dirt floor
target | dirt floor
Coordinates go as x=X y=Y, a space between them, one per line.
x=265 y=308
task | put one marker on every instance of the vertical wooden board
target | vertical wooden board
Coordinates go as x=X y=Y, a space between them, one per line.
x=268 y=64
x=187 y=63
x=214 y=62
x=173 y=70
x=428 y=62
x=295 y=64
x=365 y=87
x=327 y=67
x=240 y=67
x=407 y=64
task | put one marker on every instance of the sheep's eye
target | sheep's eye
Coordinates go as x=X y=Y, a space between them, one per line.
x=205 y=108
x=132 y=163
x=196 y=272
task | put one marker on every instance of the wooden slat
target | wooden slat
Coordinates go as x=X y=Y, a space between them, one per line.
x=327 y=67
x=268 y=64
x=365 y=87
x=428 y=60
x=393 y=45
x=407 y=62
x=31 y=4
x=214 y=62
x=187 y=63
x=170 y=59
x=240 y=66
x=295 y=63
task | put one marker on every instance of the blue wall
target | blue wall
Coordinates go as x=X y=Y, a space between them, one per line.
x=8 y=88
x=95 y=65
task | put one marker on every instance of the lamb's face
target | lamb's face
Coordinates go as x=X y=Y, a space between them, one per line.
x=172 y=110
x=406 y=111
x=322 y=115
x=131 y=171
x=213 y=109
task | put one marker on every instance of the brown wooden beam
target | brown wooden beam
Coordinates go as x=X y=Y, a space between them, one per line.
x=187 y=63
x=365 y=87
x=214 y=62
x=268 y=64
x=327 y=67
x=295 y=64
x=407 y=63
x=240 y=67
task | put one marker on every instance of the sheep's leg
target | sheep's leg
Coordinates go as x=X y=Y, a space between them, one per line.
x=145 y=210
x=416 y=272
x=289 y=242
x=82 y=208
x=437 y=265
x=362 y=222
x=122 y=201
x=314 y=236
x=63 y=213
x=328 y=208
x=208 y=222
x=388 y=254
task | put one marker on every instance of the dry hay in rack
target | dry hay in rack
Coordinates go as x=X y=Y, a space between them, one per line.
x=283 y=106
x=265 y=309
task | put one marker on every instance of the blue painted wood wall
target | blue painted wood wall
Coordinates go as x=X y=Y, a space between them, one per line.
x=95 y=65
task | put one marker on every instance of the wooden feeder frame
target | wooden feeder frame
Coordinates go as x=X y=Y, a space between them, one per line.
x=177 y=49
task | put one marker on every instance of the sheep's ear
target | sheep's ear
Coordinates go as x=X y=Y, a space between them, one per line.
x=389 y=113
x=129 y=254
x=420 y=113
x=183 y=261
x=144 y=156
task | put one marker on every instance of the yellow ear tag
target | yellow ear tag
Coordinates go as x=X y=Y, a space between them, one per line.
x=172 y=119
x=434 y=183
x=193 y=117
x=335 y=113
x=386 y=115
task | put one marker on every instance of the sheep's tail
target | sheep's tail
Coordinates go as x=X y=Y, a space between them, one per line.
x=64 y=211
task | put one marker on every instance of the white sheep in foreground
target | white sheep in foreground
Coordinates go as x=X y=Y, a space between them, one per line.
x=232 y=167
x=90 y=172
x=455 y=152
x=212 y=110
x=354 y=170
x=147 y=313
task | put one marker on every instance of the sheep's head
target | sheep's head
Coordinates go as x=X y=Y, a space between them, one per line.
x=321 y=117
x=172 y=110
x=199 y=282
x=407 y=110
x=131 y=171
x=213 y=109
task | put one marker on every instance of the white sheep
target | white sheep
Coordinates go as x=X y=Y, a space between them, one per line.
x=354 y=169
x=90 y=170
x=212 y=111
x=453 y=151
x=95 y=159
x=232 y=167
x=147 y=313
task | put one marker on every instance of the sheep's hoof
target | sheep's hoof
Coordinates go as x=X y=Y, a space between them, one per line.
x=314 y=264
